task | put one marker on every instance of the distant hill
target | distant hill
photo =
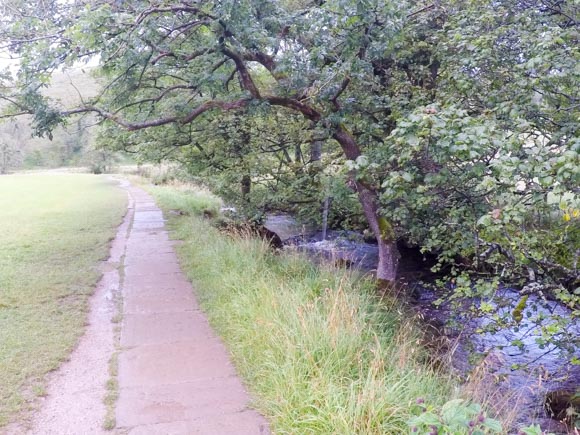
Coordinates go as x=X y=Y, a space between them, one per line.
x=73 y=86
x=71 y=144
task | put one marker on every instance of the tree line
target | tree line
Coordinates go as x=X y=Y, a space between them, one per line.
x=452 y=124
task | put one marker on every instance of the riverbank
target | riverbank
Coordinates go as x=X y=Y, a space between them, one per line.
x=319 y=349
x=507 y=367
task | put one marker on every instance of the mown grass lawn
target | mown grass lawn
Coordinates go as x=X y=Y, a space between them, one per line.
x=54 y=229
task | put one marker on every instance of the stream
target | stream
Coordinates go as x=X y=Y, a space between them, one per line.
x=528 y=375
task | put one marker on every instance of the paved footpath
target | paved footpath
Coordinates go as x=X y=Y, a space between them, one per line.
x=174 y=373
x=175 y=376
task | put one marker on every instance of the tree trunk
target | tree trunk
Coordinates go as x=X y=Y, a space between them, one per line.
x=246 y=186
x=388 y=252
x=316 y=142
x=315 y=150
x=368 y=197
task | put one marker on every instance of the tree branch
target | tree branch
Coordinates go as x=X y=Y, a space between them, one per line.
x=342 y=88
x=245 y=77
x=296 y=105
x=134 y=126
x=180 y=8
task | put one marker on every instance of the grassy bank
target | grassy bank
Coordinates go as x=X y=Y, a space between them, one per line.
x=54 y=229
x=321 y=353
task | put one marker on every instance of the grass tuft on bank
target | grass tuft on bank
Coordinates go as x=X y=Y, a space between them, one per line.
x=186 y=199
x=319 y=350
x=54 y=229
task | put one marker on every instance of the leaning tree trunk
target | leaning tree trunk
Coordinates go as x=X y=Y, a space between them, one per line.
x=368 y=197
x=246 y=187
x=383 y=231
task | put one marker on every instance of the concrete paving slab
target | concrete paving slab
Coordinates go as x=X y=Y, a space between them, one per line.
x=150 y=215
x=242 y=423
x=173 y=363
x=147 y=226
x=150 y=251
x=163 y=327
x=153 y=269
x=164 y=404
x=150 y=301
x=160 y=283
x=145 y=203
x=146 y=262
x=175 y=375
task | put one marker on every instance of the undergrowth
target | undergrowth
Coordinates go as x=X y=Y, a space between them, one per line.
x=319 y=350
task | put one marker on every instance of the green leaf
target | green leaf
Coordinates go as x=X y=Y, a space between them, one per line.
x=412 y=140
x=425 y=419
x=531 y=430
x=493 y=425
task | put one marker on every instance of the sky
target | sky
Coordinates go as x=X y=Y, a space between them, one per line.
x=6 y=62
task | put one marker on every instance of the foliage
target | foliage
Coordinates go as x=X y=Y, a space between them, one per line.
x=531 y=430
x=188 y=200
x=454 y=417
x=454 y=122
x=458 y=417
x=98 y=159
x=71 y=143
x=10 y=156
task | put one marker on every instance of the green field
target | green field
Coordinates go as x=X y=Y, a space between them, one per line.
x=54 y=229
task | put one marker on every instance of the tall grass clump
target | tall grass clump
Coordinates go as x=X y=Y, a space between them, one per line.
x=319 y=350
x=187 y=199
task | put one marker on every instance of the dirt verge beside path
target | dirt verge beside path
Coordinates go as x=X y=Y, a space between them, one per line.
x=73 y=403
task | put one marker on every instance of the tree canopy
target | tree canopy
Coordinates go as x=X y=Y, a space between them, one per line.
x=454 y=122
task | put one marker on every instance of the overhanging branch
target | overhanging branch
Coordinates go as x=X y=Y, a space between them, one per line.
x=176 y=119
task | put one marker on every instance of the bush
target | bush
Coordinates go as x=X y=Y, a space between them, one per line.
x=458 y=417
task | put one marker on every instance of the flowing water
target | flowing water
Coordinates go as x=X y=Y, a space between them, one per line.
x=514 y=357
